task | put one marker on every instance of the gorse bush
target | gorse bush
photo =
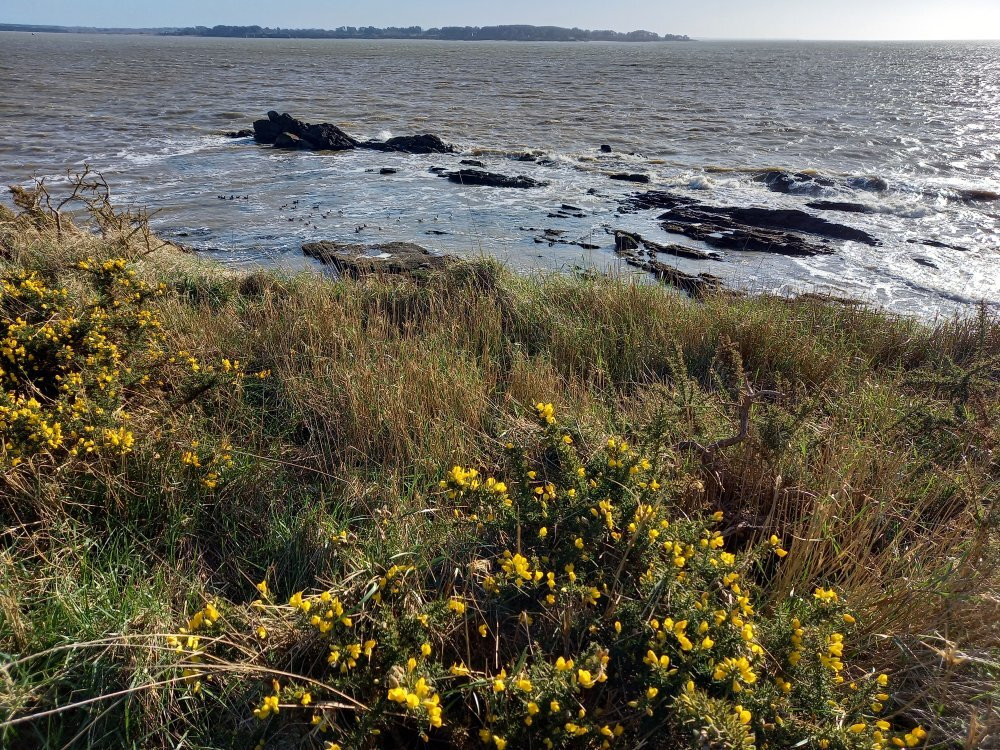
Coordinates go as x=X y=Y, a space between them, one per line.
x=69 y=365
x=75 y=367
x=585 y=612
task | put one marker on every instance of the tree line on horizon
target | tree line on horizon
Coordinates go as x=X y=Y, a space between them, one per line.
x=517 y=32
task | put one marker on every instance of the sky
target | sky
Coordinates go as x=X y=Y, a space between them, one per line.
x=763 y=19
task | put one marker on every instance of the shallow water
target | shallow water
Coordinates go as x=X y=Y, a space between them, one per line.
x=148 y=112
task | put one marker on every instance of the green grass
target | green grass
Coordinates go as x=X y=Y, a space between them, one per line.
x=876 y=465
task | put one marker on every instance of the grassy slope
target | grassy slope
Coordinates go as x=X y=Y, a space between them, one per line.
x=877 y=460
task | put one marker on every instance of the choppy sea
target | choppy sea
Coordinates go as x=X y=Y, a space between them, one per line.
x=910 y=130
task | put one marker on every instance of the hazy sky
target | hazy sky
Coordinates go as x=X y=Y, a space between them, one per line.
x=804 y=19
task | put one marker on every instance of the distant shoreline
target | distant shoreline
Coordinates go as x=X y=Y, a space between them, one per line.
x=506 y=33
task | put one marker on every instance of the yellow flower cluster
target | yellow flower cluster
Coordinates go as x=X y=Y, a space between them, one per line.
x=206 y=463
x=421 y=697
x=462 y=482
x=65 y=363
x=75 y=367
x=270 y=705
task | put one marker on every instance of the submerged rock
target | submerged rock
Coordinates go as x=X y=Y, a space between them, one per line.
x=245 y=133
x=627 y=177
x=553 y=237
x=938 y=243
x=355 y=259
x=844 y=206
x=870 y=184
x=387 y=170
x=473 y=163
x=653 y=199
x=492 y=179
x=811 y=183
x=978 y=196
x=780 y=181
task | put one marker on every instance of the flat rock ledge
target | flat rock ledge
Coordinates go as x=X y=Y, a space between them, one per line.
x=285 y=132
x=492 y=179
x=356 y=259
x=695 y=285
x=627 y=241
x=768 y=230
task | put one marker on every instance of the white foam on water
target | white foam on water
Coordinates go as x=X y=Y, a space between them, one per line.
x=162 y=149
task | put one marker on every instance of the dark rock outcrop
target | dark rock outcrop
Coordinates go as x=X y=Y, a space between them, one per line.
x=723 y=233
x=492 y=179
x=284 y=131
x=411 y=144
x=290 y=141
x=350 y=259
x=245 y=133
x=605 y=148
x=790 y=220
x=626 y=242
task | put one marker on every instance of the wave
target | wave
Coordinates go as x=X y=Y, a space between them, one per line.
x=160 y=150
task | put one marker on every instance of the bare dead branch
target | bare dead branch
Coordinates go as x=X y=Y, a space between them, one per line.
x=710 y=453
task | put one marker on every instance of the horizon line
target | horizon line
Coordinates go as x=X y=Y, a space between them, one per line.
x=138 y=30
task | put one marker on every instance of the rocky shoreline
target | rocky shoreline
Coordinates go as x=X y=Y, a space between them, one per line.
x=714 y=230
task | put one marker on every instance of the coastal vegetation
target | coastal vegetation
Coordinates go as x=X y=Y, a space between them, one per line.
x=468 y=508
